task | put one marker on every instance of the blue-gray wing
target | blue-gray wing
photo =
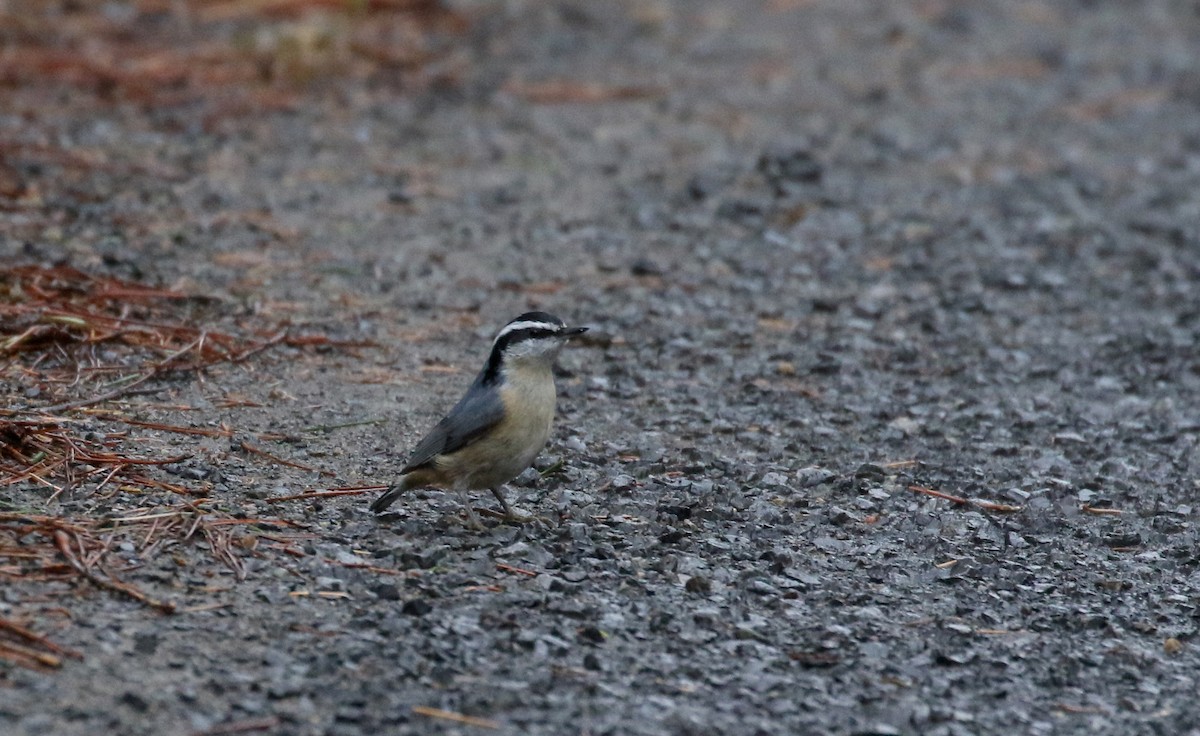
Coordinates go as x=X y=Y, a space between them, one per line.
x=474 y=414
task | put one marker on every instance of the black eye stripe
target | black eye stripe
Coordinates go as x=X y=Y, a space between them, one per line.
x=507 y=340
x=529 y=333
x=528 y=326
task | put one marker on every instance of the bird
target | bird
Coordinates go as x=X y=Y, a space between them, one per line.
x=499 y=425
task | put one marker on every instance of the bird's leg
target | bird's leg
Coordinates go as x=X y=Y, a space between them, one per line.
x=472 y=520
x=512 y=516
x=508 y=513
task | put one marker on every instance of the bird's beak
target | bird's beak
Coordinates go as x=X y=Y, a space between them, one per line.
x=568 y=332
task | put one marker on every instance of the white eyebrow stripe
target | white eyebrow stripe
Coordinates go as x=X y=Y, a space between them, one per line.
x=514 y=326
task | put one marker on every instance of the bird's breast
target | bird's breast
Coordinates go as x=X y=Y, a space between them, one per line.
x=529 y=402
x=513 y=443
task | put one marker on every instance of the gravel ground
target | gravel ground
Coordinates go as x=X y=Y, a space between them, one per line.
x=828 y=250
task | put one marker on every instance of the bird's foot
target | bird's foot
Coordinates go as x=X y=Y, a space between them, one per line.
x=472 y=519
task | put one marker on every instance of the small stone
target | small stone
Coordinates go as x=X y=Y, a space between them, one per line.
x=575 y=499
x=1129 y=539
x=528 y=478
x=838 y=515
x=1016 y=494
x=829 y=544
x=813 y=476
x=145 y=643
x=386 y=592
x=701 y=487
x=592 y=634
x=1016 y=541
x=623 y=482
x=790 y=163
x=774 y=480
x=345 y=557
x=741 y=211
x=332 y=584
x=671 y=536
x=870 y=471
x=423 y=558
x=515 y=549
x=762 y=587
x=1069 y=437
x=878 y=493
x=553 y=583
x=187 y=472
x=645 y=267
x=135 y=701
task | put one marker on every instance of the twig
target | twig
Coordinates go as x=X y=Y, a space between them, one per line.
x=129 y=390
x=218 y=542
x=123 y=460
x=1080 y=709
x=63 y=543
x=264 y=522
x=172 y=487
x=447 y=715
x=326 y=494
x=1100 y=511
x=938 y=494
x=251 y=724
x=163 y=365
x=41 y=519
x=201 y=431
x=274 y=340
x=204 y=607
x=32 y=636
x=1003 y=508
x=518 y=570
x=959 y=500
x=25 y=655
x=552 y=469
x=328 y=427
x=367 y=566
x=148 y=517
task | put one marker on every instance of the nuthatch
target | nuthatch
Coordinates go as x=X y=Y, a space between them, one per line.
x=500 y=425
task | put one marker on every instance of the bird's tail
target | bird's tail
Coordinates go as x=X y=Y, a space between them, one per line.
x=390 y=495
